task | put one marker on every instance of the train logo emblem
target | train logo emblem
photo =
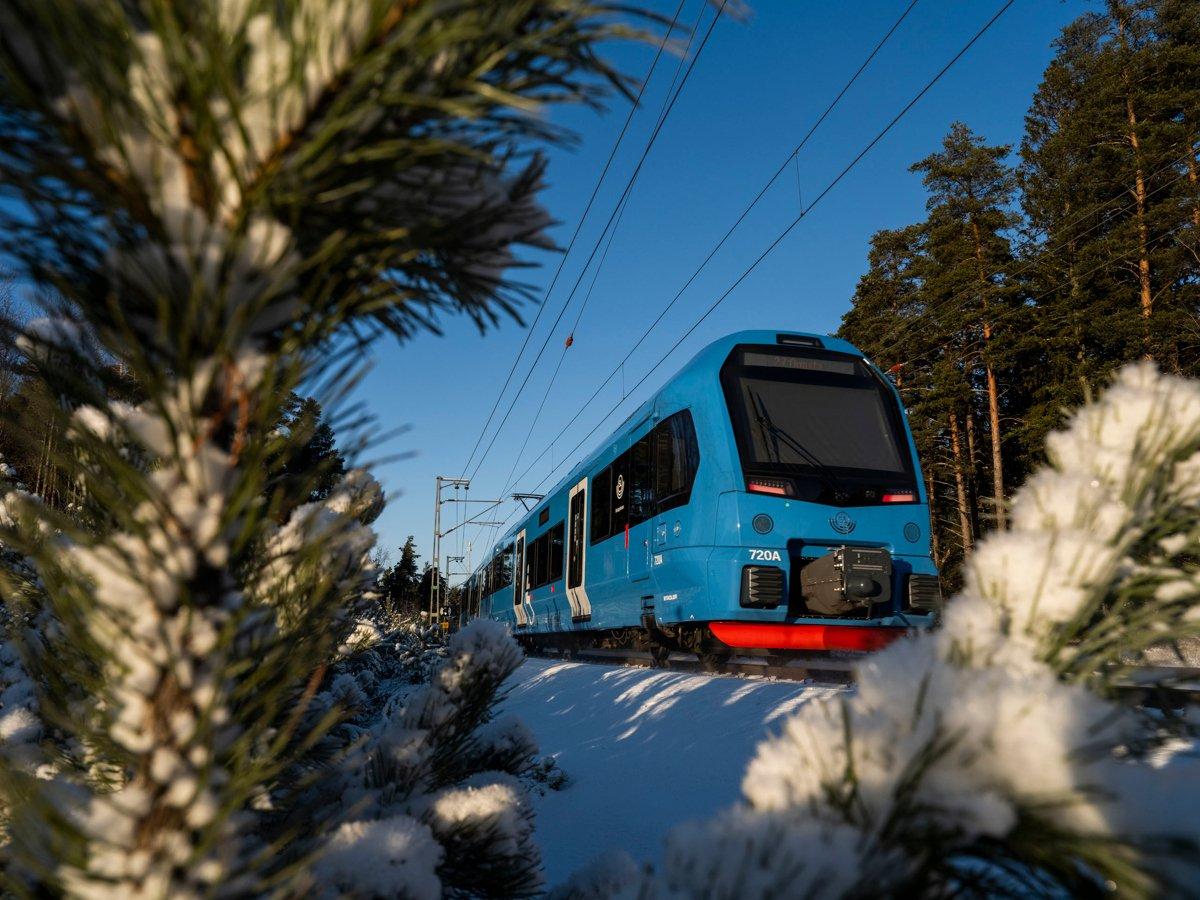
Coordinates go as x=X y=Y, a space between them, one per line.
x=842 y=523
x=620 y=486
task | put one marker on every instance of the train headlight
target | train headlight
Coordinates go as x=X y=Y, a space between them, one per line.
x=763 y=523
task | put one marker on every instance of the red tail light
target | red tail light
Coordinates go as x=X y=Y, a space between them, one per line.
x=767 y=486
x=900 y=497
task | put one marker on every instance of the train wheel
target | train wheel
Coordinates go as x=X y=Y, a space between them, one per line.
x=659 y=656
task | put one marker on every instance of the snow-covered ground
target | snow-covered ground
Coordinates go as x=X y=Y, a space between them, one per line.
x=644 y=750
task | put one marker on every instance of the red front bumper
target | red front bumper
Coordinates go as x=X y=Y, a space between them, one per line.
x=766 y=636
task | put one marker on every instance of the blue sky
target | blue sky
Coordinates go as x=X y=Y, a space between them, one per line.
x=755 y=91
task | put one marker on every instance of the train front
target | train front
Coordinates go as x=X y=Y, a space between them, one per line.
x=828 y=548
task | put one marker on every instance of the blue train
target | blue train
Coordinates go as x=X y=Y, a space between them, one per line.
x=768 y=497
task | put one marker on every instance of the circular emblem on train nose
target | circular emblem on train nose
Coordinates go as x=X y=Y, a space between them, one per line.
x=842 y=523
x=620 y=486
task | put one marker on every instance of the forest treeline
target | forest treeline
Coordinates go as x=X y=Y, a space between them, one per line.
x=1039 y=269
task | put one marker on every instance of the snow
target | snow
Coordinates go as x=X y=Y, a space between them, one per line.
x=644 y=751
x=384 y=857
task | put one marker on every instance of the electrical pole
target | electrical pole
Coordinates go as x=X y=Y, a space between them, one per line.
x=435 y=582
x=449 y=559
x=436 y=593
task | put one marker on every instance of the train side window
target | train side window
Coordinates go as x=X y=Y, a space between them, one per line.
x=601 y=505
x=620 y=495
x=532 y=552
x=556 y=552
x=543 y=560
x=677 y=457
x=505 y=575
x=641 y=480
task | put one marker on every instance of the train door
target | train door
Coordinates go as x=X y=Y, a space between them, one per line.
x=518 y=580
x=577 y=596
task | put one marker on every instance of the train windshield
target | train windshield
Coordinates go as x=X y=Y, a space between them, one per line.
x=816 y=424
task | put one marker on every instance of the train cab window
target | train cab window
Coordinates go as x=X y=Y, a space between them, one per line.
x=601 y=505
x=641 y=480
x=676 y=459
x=823 y=424
x=556 y=535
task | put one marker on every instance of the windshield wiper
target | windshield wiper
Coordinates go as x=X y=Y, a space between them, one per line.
x=767 y=423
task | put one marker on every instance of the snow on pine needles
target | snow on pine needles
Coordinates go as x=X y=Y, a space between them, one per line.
x=989 y=756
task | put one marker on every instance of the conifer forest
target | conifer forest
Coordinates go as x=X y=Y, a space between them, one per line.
x=1042 y=268
x=752 y=646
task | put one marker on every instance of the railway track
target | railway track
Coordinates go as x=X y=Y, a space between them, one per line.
x=1163 y=687
x=834 y=671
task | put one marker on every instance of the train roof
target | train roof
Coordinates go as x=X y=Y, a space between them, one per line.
x=708 y=359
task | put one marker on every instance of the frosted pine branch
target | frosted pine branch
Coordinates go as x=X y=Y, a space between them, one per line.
x=986 y=757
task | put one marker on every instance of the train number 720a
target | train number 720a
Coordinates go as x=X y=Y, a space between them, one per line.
x=766 y=555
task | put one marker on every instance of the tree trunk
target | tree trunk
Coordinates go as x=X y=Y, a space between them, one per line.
x=1139 y=190
x=933 y=532
x=997 y=456
x=972 y=472
x=1139 y=195
x=964 y=518
x=993 y=389
x=1194 y=179
x=39 y=483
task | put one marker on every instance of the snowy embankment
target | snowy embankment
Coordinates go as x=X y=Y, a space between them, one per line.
x=644 y=750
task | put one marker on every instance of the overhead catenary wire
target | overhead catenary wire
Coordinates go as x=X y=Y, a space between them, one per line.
x=578 y=227
x=623 y=206
x=625 y=193
x=794 y=154
x=769 y=249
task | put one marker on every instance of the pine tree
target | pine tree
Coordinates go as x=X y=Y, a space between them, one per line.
x=220 y=193
x=315 y=465
x=1105 y=165
x=970 y=188
x=400 y=585
x=408 y=578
